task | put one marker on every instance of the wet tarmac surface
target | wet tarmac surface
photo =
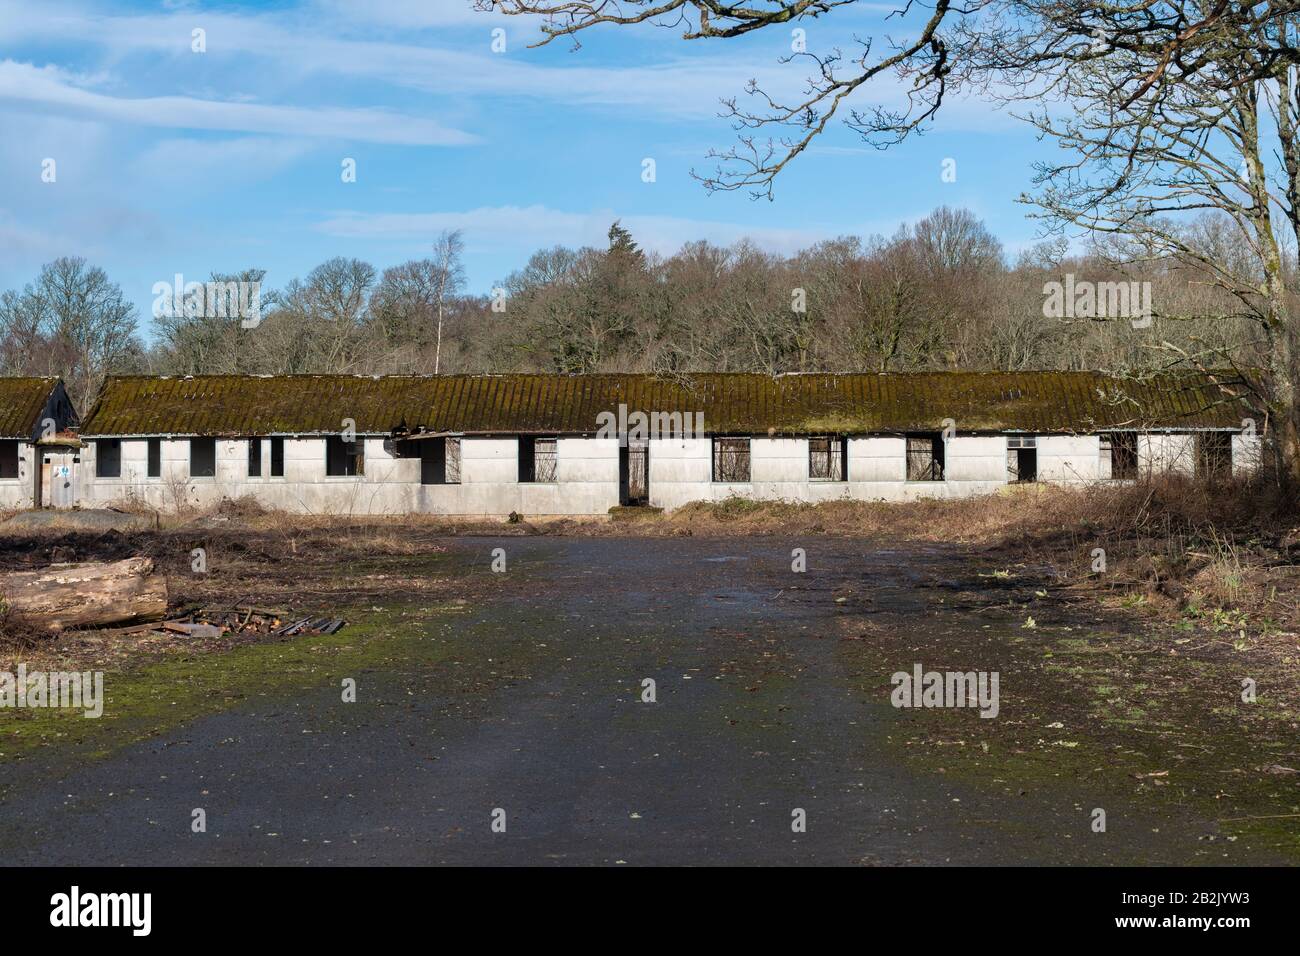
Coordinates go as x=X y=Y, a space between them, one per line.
x=527 y=708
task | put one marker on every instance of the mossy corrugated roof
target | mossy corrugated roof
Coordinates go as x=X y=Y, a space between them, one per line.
x=1041 y=402
x=22 y=400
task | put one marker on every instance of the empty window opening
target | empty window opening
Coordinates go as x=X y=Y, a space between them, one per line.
x=731 y=459
x=344 y=459
x=9 y=458
x=1213 y=455
x=1022 y=458
x=1122 y=450
x=537 y=458
x=153 y=455
x=255 y=458
x=203 y=458
x=108 y=458
x=440 y=461
x=925 y=457
x=277 y=457
x=827 y=457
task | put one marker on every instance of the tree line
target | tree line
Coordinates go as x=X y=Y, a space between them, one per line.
x=940 y=293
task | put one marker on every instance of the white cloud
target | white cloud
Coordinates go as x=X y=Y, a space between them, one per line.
x=411 y=14
x=348 y=39
x=51 y=88
x=675 y=85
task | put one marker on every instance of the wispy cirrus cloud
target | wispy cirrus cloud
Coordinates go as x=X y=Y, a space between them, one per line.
x=411 y=14
x=442 y=65
x=50 y=88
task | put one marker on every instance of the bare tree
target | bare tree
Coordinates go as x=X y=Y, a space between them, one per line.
x=191 y=344
x=834 y=78
x=332 y=303
x=1181 y=126
x=936 y=59
x=71 y=322
x=411 y=303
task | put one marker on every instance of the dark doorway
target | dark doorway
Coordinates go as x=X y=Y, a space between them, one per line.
x=1022 y=458
x=1024 y=465
x=634 y=473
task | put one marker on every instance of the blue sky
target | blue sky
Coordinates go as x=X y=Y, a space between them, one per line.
x=170 y=161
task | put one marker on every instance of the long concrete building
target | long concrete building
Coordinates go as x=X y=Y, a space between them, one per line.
x=539 y=445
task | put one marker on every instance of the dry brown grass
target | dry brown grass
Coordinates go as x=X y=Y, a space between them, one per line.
x=17 y=633
x=1179 y=546
x=1182 y=547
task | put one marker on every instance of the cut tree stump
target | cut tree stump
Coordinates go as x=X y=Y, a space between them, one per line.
x=91 y=594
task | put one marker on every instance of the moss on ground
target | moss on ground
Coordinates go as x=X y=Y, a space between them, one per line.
x=1127 y=722
x=146 y=701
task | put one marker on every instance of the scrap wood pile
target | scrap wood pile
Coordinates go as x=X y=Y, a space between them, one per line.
x=206 y=622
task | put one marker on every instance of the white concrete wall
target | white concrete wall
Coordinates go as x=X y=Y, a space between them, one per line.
x=389 y=485
x=975 y=460
x=587 y=474
x=1070 y=459
x=1174 y=453
x=877 y=460
x=586 y=482
x=681 y=471
x=17 y=492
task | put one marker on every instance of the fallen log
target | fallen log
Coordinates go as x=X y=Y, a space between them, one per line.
x=90 y=594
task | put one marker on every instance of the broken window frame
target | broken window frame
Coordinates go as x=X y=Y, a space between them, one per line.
x=344 y=459
x=1213 y=455
x=546 y=460
x=925 y=456
x=828 y=457
x=1017 y=448
x=731 y=460
x=1121 y=448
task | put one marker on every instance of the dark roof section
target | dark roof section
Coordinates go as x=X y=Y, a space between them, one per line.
x=1046 y=402
x=23 y=401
